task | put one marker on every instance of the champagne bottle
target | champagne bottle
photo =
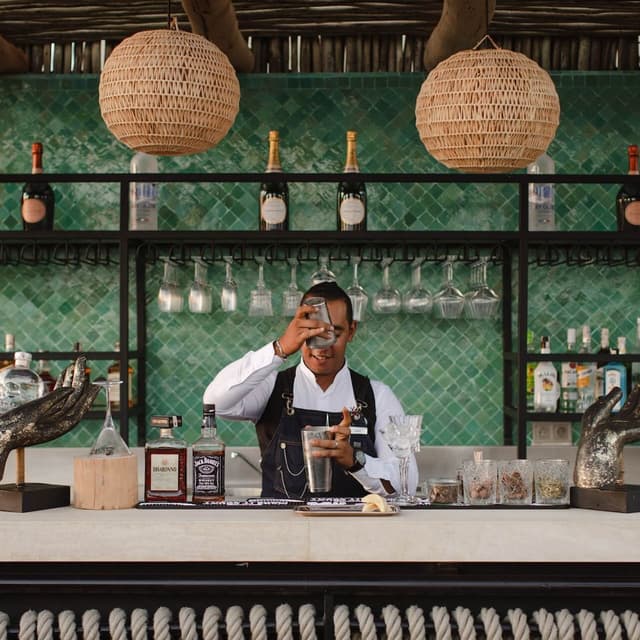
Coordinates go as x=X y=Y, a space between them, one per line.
x=38 y=200
x=352 y=196
x=628 y=198
x=274 y=194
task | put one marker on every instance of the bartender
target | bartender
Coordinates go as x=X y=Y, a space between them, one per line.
x=320 y=390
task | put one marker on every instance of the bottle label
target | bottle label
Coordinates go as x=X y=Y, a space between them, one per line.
x=164 y=472
x=584 y=376
x=632 y=213
x=569 y=375
x=274 y=210
x=208 y=474
x=352 y=210
x=33 y=210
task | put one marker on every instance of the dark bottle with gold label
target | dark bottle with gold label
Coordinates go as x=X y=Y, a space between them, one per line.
x=165 y=463
x=274 y=194
x=351 y=209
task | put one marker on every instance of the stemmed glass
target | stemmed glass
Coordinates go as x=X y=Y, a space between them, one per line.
x=356 y=292
x=170 y=297
x=200 y=298
x=229 y=291
x=323 y=273
x=387 y=299
x=448 y=302
x=417 y=299
x=109 y=441
x=482 y=302
x=402 y=434
x=260 y=301
x=291 y=296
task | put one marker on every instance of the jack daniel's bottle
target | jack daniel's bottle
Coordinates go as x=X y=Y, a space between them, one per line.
x=208 y=460
x=352 y=196
x=628 y=198
x=274 y=194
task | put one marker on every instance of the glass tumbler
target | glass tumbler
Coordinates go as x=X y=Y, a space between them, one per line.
x=479 y=481
x=552 y=481
x=515 y=481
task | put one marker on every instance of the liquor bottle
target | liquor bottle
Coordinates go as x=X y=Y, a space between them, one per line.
x=546 y=388
x=143 y=196
x=113 y=375
x=615 y=375
x=165 y=463
x=542 y=216
x=352 y=196
x=635 y=366
x=208 y=460
x=568 y=378
x=10 y=347
x=531 y=367
x=586 y=374
x=274 y=194
x=628 y=198
x=19 y=383
x=605 y=348
x=45 y=375
x=38 y=200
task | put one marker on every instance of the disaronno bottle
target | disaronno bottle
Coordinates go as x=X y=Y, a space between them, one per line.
x=165 y=462
x=352 y=195
x=208 y=460
x=274 y=194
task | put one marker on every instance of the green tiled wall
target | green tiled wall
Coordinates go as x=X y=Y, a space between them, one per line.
x=449 y=371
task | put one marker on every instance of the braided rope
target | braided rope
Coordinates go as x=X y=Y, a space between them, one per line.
x=392 y=622
x=118 y=624
x=306 y=622
x=546 y=624
x=284 y=625
x=258 y=622
x=366 y=622
x=188 y=627
x=210 y=619
x=415 y=620
x=631 y=624
x=491 y=622
x=139 y=619
x=27 y=629
x=67 y=625
x=4 y=623
x=611 y=623
x=341 y=628
x=162 y=623
x=441 y=623
x=464 y=620
x=518 y=622
x=587 y=623
x=564 y=624
x=91 y=624
x=233 y=622
x=44 y=625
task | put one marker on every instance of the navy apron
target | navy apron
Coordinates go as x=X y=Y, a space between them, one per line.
x=278 y=429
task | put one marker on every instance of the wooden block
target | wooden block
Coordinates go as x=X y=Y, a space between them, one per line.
x=105 y=483
x=624 y=499
x=33 y=496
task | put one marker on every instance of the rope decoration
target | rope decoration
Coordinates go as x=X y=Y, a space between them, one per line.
x=458 y=624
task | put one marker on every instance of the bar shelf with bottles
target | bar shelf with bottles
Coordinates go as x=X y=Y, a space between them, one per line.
x=512 y=249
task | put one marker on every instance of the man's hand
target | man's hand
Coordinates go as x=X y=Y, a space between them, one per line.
x=339 y=448
x=301 y=328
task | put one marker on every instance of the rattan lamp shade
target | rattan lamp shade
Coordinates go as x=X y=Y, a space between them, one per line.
x=168 y=92
x=487 y=111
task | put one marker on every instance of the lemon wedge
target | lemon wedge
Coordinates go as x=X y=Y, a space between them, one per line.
x=374 y=502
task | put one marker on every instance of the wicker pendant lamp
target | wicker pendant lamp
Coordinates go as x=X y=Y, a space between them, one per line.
x=487 y=110
x=168 y=92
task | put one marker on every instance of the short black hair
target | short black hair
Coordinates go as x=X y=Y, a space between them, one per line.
x=330 y=291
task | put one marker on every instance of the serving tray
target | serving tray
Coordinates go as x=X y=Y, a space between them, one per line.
x=328 y=509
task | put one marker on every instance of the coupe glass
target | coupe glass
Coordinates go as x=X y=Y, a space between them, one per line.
x=323 y=273
x=357 y=294
x=229 y=291
x=448 y=302
x=402 y=434
x=170 y=299
x=109 y=442
x=291 y=296
x=387 y=299
x=200 y=298
x=482 y=302
x=260 y=301
x=417 y=299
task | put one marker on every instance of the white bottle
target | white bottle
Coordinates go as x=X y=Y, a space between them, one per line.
x=143 y=196
x=615 y=375
x=546 y=389
x=542 y=215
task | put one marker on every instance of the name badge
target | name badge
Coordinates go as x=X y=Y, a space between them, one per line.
x=359 y=431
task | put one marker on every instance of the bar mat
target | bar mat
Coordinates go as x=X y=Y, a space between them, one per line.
x=250 y=503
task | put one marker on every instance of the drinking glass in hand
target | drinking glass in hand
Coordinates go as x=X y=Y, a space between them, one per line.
x=321 y=312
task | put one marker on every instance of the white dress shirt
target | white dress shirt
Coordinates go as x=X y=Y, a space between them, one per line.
x=242 y=389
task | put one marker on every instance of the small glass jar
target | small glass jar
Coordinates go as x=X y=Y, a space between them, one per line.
x=442 y=490
x=480 y=480
x=515 y=481
x=552 y=481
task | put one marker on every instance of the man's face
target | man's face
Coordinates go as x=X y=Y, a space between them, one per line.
x=325 y=363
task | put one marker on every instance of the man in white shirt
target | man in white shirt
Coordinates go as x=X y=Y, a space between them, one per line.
x=319 y=389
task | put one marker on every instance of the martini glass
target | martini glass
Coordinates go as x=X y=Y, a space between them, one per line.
x=229 y=291
x=448 y=302
x=417 y=299
x=291 y=296
x=109 y=442
x=483 y=302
